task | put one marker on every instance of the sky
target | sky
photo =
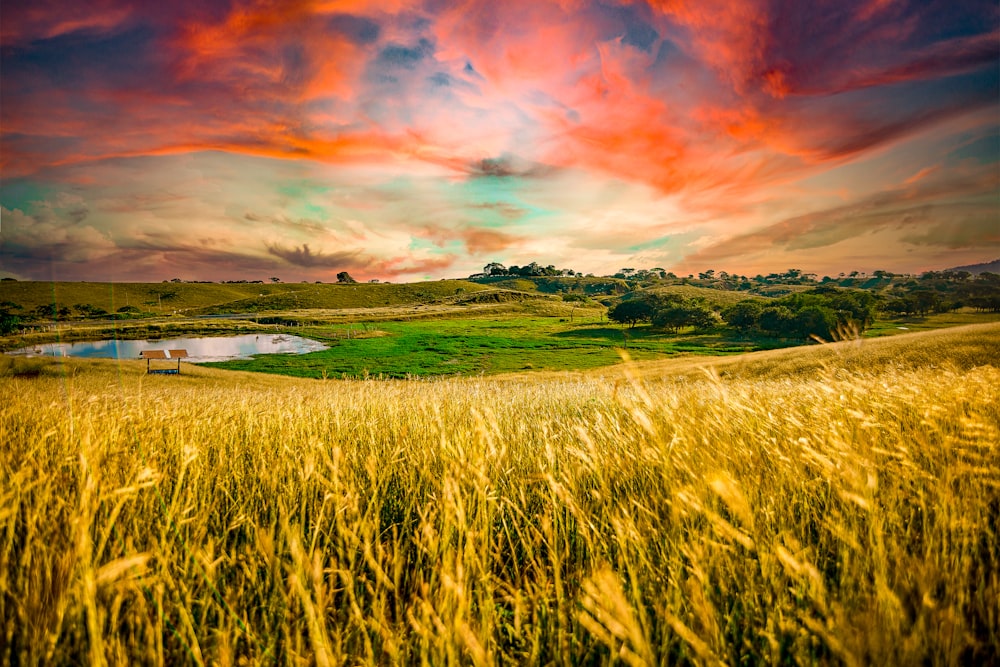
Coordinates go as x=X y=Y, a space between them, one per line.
x=407 y=140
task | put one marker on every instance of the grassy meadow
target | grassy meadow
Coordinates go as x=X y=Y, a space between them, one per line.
x=830 y=504
x=517 y=339
x=168 y=298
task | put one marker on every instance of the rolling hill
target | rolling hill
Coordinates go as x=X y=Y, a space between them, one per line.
x=225 y=298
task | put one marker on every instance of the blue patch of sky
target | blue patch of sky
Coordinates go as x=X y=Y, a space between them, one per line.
x=912 y=101
x=949 y=20
x=39 y=143
x=437 y=246
x=72 y=61
x=405 y=57
x=25 y=195
x=675 y=244
x=638 y=33
x=302 y=199
x=442 y=83
x=358 y=29
x=497 y=203
x=630 y=22
x=488 y=203
x=984 y=150
x=667 y=53
x=441 y=79
x=979 y=87
x=294 y=65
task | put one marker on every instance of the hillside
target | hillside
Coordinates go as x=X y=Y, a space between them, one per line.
x=714 y=297
x=976 y=269
x=958 y=348
x=223 y=298
x=589 y=286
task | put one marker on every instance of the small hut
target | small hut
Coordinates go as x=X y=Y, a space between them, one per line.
x=149 y=355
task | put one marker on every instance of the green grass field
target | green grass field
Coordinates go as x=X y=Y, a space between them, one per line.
x=469 y=346
x=223 y=298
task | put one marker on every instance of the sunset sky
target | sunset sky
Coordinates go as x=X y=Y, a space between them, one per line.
x=405 y=140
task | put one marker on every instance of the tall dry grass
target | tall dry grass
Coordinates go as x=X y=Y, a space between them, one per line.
x=822 y=516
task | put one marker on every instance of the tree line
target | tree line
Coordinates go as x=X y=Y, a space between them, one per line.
x=822 y=312
x=671 y=312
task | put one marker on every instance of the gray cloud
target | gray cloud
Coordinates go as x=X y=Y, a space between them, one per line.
x=303 y=256
x=507 y=166
x=78 y=214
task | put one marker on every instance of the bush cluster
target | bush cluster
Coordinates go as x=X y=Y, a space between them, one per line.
x=666 y=311
x=823 y=312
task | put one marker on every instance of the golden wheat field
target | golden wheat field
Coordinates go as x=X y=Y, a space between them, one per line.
x=835 y=505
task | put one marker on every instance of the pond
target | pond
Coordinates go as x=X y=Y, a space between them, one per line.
x=216 y=348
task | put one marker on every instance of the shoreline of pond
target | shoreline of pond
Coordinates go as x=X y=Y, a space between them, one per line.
x=201 y=349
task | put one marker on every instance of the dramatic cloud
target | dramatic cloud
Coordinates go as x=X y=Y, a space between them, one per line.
x=404 y=139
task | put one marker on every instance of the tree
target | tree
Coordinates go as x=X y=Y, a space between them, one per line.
x=8 y=320
x=814 y=321
x=8 y=323
x=926 y=300
x=700 y=316
x=345 y=277
x=631 y=312
x=853 y=307
x=495 y=269
x=87 y=310
x=900 y=306
x=46 y=311
x=776 y=320
x=533 y=269
x=688 y=313
x=275 y=280
x=743 y=316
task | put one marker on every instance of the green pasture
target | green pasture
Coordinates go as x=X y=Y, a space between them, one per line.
x=224 y=298
x=472 y=346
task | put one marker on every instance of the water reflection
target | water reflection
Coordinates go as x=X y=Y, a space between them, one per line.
x=220 y=348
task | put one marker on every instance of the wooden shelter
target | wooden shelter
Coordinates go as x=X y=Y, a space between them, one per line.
x=149 y=355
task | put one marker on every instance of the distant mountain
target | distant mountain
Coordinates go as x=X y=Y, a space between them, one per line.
x=992 y=267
